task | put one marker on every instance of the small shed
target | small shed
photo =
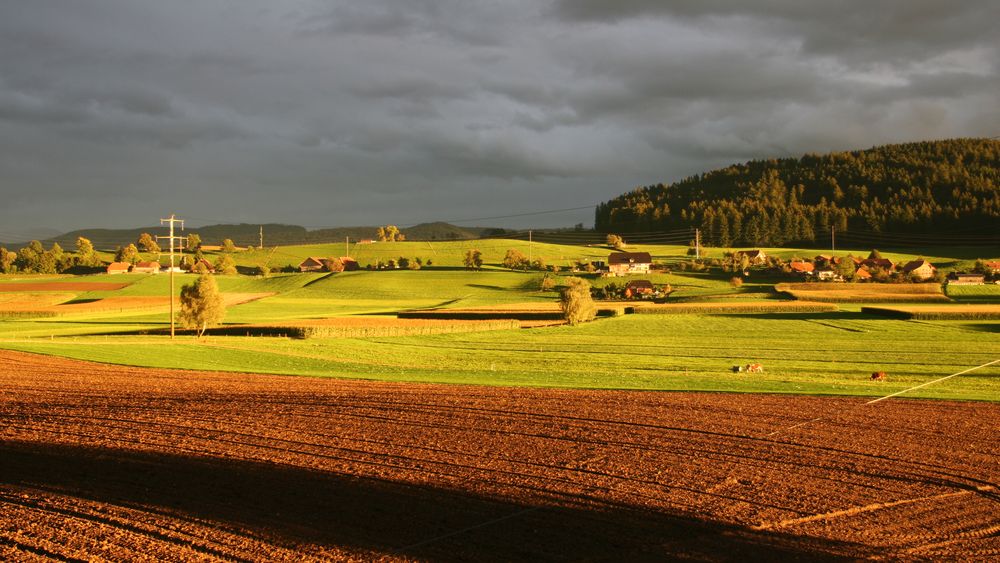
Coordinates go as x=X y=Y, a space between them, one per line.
x=955 y=278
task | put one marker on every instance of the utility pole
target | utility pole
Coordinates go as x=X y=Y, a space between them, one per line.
x=529 y=248
x=347 y=246
x=833 y=238
x=262 y=237
x=172 y=220
x=697 y=244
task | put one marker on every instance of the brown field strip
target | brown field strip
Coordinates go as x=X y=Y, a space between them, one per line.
x=114 y=304
x=63 y=286
x=111 y=462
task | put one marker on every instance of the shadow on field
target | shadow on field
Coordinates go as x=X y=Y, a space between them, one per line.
x=983 y=327
x=295 y=506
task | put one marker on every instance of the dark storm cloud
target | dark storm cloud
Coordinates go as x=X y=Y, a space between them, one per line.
x=333 y=113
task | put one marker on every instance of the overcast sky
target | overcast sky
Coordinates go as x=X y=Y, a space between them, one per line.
x=113 y=113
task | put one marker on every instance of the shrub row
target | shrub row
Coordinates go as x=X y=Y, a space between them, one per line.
x=375 y=331
x=957 y=313
x=730 y=308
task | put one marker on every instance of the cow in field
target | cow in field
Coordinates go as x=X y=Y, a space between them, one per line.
x=737 y=369
x=755 y=368
x=878 y=376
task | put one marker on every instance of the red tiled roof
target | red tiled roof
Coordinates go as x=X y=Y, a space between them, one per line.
x=116 y=266
x=630 y=258
x=802 y=267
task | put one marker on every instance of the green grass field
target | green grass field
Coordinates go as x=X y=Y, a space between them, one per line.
x=818 y=352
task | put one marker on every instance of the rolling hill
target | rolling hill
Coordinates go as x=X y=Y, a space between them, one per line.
x=924 y=193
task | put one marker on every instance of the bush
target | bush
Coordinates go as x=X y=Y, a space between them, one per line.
x=576 y=303
x=736 y=281
x=548 y=283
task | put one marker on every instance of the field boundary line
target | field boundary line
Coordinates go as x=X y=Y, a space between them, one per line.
x=932 y=382
x=873 y=401
x=855 y=510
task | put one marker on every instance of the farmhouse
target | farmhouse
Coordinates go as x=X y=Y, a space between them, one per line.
x=993 y=267
x=350 y=264
x=755 y=256
x=920 y=269
x=637 y=288
x=828 y=275
x=118 y=268
x=621 y=263
x=146 y=268
x=802 y=268
x=882 y=263
x=862 y=274
x=955 y=278
x=312 y=264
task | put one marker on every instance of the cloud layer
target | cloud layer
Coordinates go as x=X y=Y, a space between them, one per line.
x=115 y=112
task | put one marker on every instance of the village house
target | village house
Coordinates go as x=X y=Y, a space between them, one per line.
x=828 y=275
x=755 y=256
x=881 y=263
x=862 y=274
x=312 y=264
x=920 y=269
x=146 y=268
x=118 y=268
x=993 y=267
x=802 y=268
x=205 y=264
x=638 y=288
x=955 y=278
x=622 y=263
x=350 y=264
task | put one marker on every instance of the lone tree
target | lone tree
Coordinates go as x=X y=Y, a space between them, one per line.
x=225 y=265
x=128 y=254
x=390 y=233
x=85 y=253
x=228 y=246
x=201 y=305
x=147 y=243
x=515 y=260
x=193 y=242
x=576 y=302
x=615 y=241
x=473 y=259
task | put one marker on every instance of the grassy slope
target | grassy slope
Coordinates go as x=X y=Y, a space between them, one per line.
x=830 y=353
x=803 y=353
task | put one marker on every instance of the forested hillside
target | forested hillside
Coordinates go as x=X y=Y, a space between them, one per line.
x=950 y=186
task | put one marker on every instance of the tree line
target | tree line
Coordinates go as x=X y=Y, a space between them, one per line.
x=915 y=188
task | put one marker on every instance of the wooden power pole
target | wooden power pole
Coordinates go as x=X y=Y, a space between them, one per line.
x=172 y=220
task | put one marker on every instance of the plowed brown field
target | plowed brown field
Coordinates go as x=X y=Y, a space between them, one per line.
x=108 y=462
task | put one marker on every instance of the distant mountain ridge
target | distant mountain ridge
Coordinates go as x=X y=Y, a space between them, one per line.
x=246 y=234
x=915 y=191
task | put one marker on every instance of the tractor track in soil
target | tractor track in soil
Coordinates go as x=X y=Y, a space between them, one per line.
x=112 y=462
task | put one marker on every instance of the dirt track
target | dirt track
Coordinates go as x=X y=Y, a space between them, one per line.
x=121 y=463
